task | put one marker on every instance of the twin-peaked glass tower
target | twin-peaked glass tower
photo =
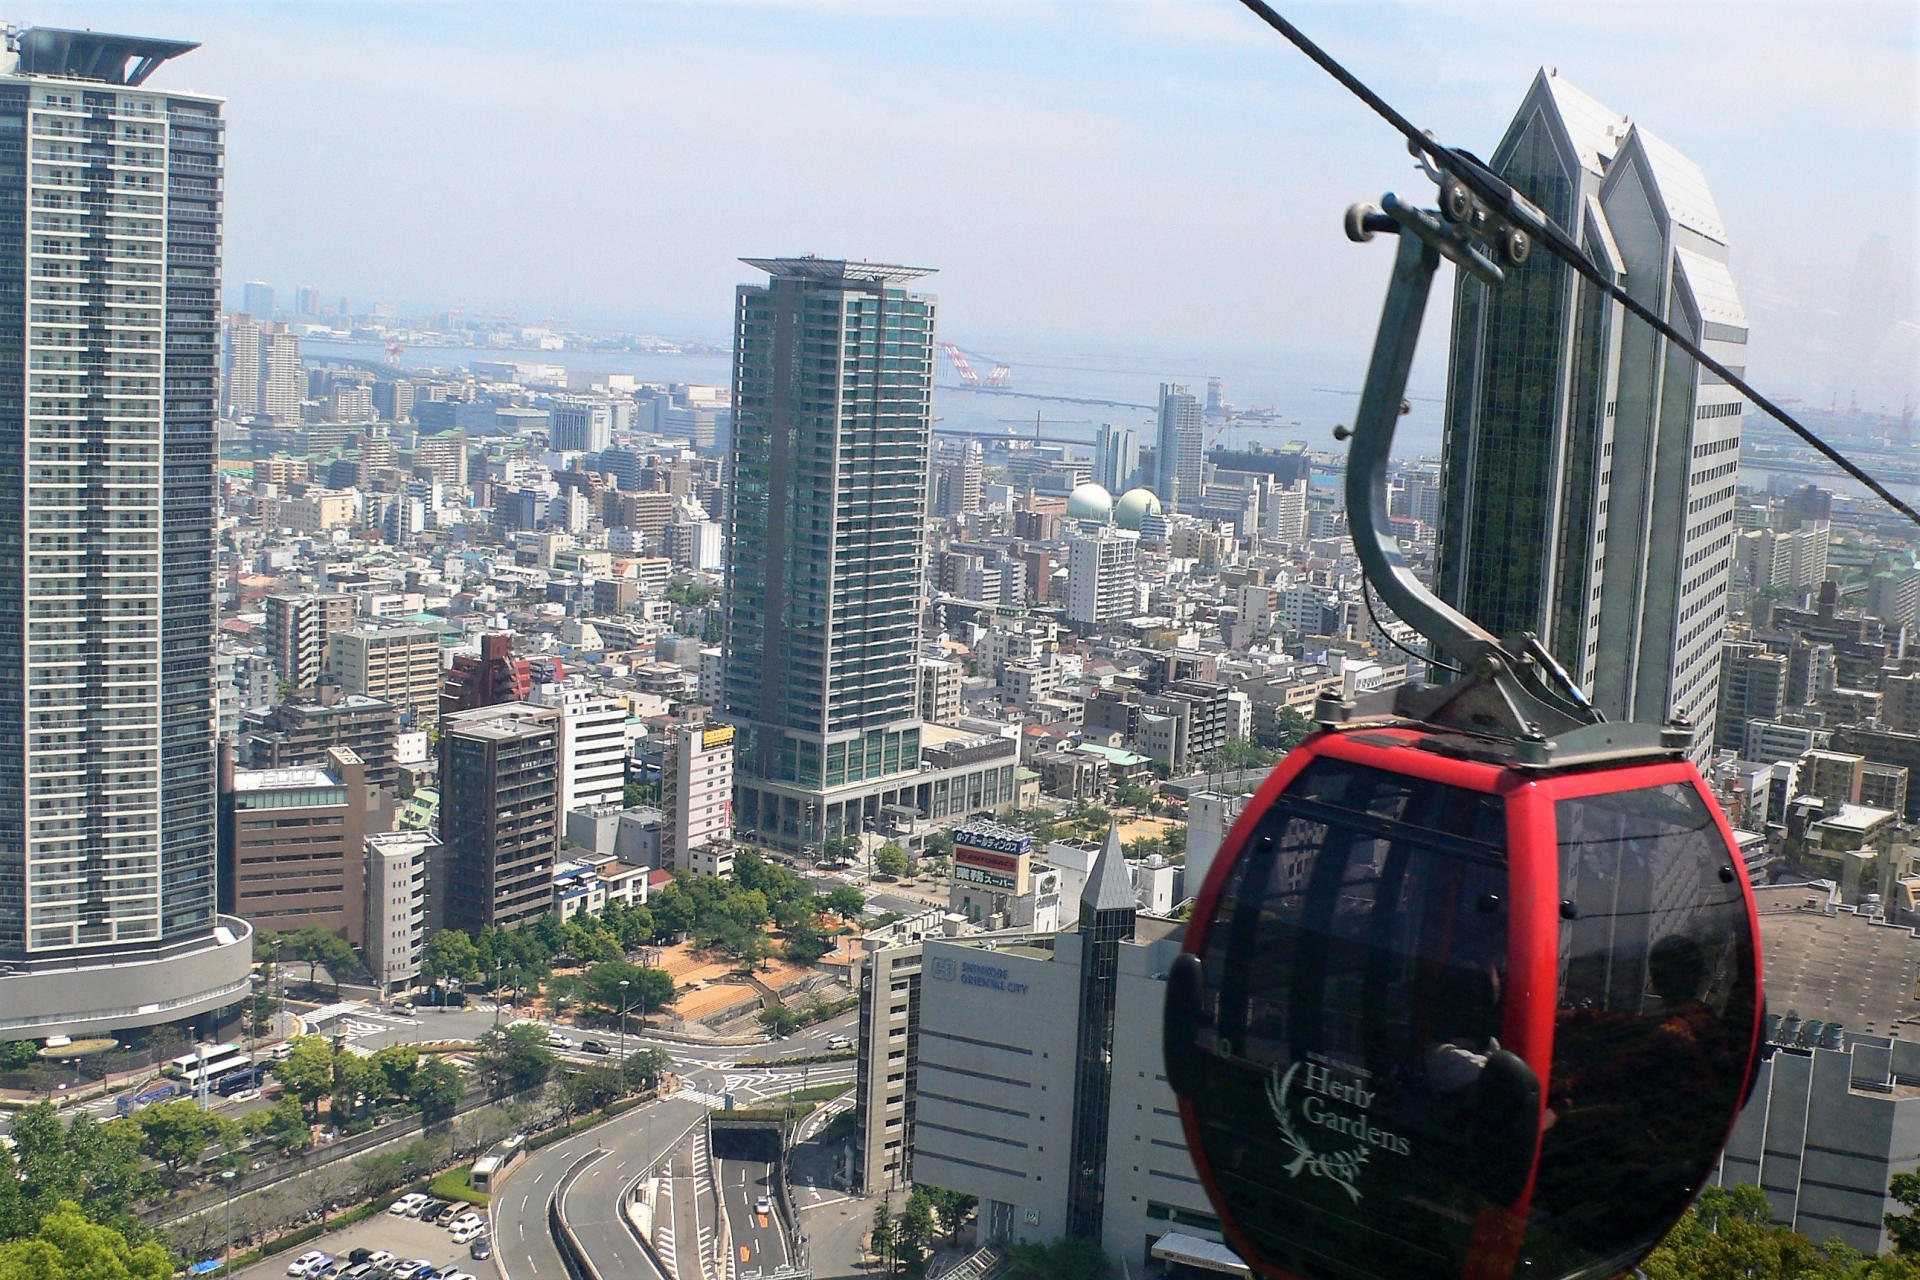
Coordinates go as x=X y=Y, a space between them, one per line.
x=1590 y=467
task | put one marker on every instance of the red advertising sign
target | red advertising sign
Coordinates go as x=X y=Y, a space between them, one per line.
x=1005 y=863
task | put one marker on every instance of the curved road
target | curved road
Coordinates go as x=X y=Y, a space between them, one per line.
x=758 y=1243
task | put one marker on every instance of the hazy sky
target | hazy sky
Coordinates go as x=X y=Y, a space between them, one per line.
x=1087 y=176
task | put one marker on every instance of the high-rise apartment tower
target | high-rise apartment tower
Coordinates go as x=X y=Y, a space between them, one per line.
x=1590 y=469
x=110 y=224
x=1179 y=454
x=832 y=421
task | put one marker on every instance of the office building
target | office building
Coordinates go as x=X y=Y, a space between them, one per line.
x=1041 y=1088
x=1589 y=473
x=1102 y=568
x=240 y=392
x=886 y=1081
x=499 y=816
x=1753 y=686
x=298 y=628
x=396 y=908
x=592 y=743
x=1785 y=560
x=581 y=424
x=400 y=665
x=693 y=544
x=957 y=478
x=293 y=845
x=829 y=480
x=696 y=793
x=1179 y=454
x=1116 y=457
x=301 y=730
x=257 y=297
x=492 y=676
x=107 y=536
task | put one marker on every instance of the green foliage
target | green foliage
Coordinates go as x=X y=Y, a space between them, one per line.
x=592 y=1089
x=1730 y=1235
x=438 y=1088
x=16 y=1055
x=647 y=989
x=67 y=1245
x=1067 y=1258
x=1238 y=753
x=730 y=915
x=451 y=953
x=308 y=1071
x=284 y=1124
x=637 y=795
x=175 y=1133
x=514 y=1058
x=1904 y=1228
x=457 y=1184
x=99 y=1166
x=691 y=595
x=891 y=860
x=385 y=1170
x=645 y=1068
x=846 y=902
x=951 y=1207
x=318 y=946
x=784 y=1019
x=939 y=842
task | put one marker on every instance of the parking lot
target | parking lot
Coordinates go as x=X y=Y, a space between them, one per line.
x=407 y=1238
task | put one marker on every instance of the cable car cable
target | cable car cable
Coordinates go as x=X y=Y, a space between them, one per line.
x=1366 y=594
x=1510 y=204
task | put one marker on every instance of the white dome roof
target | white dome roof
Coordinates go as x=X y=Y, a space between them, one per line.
x=1135 y=505
x=1089 y=502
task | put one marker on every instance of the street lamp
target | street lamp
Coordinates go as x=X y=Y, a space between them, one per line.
x=227 y=1177
x=623 y=1024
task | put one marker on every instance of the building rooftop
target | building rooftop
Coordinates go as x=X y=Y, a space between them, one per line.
x=831 y=269
x=95 y=55
x=282 y=779
x=1841 y=967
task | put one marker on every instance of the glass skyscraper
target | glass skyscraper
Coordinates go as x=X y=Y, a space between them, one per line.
x=1590 y=469
x=110 y=225
x=832 y=424
x=1179 y=452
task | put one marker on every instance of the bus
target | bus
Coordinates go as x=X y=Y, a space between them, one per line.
x=128 y=1103
x=209 y=1062
x=245 y=1078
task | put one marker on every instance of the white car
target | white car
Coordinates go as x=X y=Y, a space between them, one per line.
x=468 y=1233
x=464 y=1221
x=407 y=1205
x=763 y=1205
x=305 y=1264
x=379 y=1257
x=457 y=1275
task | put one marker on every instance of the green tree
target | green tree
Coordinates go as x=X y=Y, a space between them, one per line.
x=284 y=1124
x=953 y=1208
x=451 y=953
x=645 y=1068
x=891 y=860
x=321 y=946
x=915 y=1231
x=846 y=902
x=1730 y=1235
x=1904 y=1228
x=177 y=1132
x=646 y=988
x=438 y=1088
x=67 y=1246
x=1067 y=1258
x=98 y=1166
x=308 y=1072
x=882 y=1240
x=390 y=1071
x=515 y=1058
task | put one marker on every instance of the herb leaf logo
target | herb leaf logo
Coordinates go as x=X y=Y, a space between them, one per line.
x=1341 y=1166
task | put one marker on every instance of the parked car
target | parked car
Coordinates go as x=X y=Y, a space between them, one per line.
x=303 y=1265
x=465 y=1222
x=418 y=1207
x=325 y=1270
x=358 y=1256
x=432 y=1209
x=406 y=1270
x=464 y=1235
x=594 y=1046
x=481 y=1249
x=357 y=1271
x=427 y=1270
x=458 y=1275
x=381 y=1258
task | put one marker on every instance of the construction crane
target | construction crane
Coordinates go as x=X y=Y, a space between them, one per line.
x=1000 y=378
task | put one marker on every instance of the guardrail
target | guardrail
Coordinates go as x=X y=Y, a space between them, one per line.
x=572 y=1256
